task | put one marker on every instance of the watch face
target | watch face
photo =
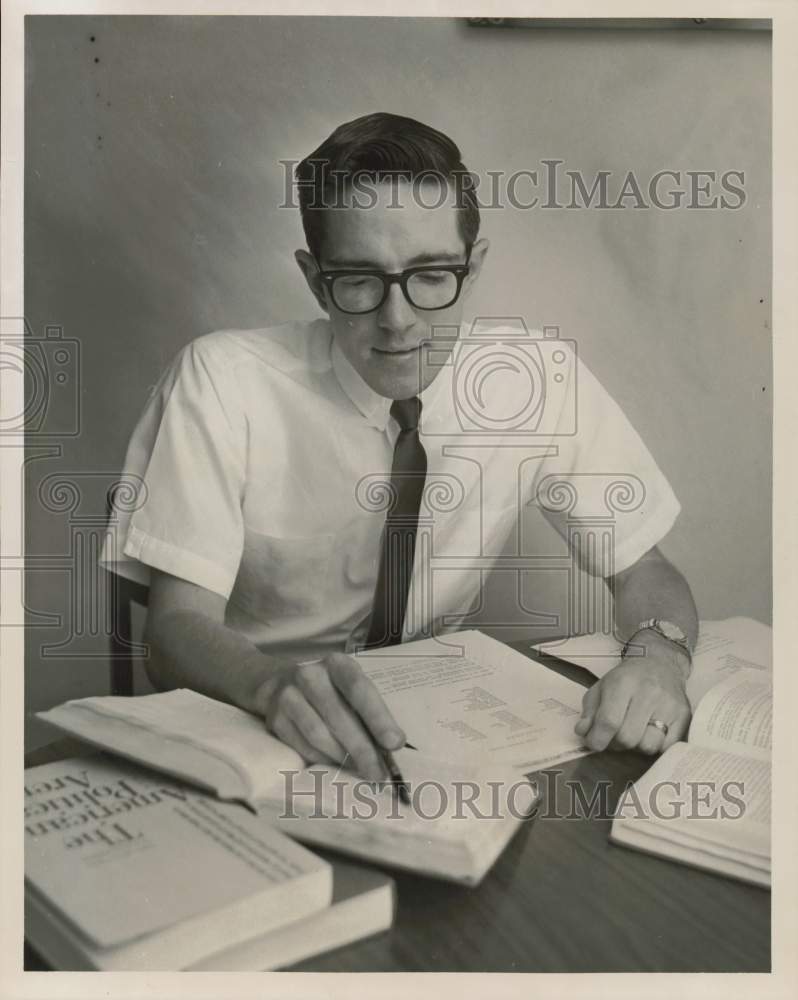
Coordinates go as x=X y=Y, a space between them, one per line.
x=671 y=631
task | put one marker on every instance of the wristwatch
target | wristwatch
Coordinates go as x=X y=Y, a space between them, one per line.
x=668 y=630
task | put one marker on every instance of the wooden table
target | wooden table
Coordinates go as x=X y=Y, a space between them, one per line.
x=563 y=899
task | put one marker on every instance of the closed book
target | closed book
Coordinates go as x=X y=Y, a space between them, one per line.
x=363 y=904
x=144 y=872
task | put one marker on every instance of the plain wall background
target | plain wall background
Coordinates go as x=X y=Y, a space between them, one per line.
x=152 y=184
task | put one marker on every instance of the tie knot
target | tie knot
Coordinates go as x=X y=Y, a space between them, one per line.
x=406 y=412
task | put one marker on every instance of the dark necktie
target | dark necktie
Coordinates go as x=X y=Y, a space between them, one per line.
x=408 y=474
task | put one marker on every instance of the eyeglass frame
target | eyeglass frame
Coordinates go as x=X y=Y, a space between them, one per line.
x=460 y=271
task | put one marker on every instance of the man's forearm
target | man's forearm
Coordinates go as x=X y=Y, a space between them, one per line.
x=653 y=588
x=189 y=649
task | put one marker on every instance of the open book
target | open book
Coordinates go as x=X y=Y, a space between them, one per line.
x=706 y=802
x=460 y=817
x=723 y=648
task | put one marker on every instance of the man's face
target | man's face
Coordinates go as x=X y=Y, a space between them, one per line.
x=386 y=346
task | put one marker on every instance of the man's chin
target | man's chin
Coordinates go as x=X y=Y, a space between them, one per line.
x=398 y=389
x=398 y=377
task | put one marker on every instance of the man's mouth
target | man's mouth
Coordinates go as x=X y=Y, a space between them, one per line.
x=397 y=352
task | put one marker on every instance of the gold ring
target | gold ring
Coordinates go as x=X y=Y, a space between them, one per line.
x=659 y=724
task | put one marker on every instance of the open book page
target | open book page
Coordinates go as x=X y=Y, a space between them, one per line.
x=186 y=734
x=477 y=700
x=696 y=795
x=736 y=715
x=726 y=647
x=723 y=648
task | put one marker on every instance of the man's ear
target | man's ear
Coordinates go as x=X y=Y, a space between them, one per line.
x=310 y=270
x=478 y=253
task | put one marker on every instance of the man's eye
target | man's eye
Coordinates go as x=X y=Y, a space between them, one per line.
x=355 y=282
x=431 y=277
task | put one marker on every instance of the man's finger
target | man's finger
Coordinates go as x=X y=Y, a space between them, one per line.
x=589 y=705
x=634 y=727
x=360 y=692
x=652 y=740
x=315 y=731
x=318 y=688
x=608 y=717
x=285 y=730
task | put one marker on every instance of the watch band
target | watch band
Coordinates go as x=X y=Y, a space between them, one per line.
x=668 y=630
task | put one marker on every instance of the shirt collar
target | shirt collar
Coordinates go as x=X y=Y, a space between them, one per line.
x=374 y=407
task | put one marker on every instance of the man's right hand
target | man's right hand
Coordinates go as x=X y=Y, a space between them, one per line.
x=329 y=711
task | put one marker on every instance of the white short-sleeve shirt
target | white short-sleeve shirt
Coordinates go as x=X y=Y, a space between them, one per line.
x=262 y=457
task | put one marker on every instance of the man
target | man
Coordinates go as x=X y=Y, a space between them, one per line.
x=269 y=558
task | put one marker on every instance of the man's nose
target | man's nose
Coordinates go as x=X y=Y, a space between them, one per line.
x=396 y=314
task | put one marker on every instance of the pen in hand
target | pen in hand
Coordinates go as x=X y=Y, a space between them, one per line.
x=398 y=783
x=399 y=786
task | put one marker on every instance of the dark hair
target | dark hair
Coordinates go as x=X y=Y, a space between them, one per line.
x=382 y=146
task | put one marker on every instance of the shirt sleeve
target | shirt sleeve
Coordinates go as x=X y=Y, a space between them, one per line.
x=602 y=490
x=185 y=471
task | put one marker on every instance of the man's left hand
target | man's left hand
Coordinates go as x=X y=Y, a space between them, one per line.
x=618 y=710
